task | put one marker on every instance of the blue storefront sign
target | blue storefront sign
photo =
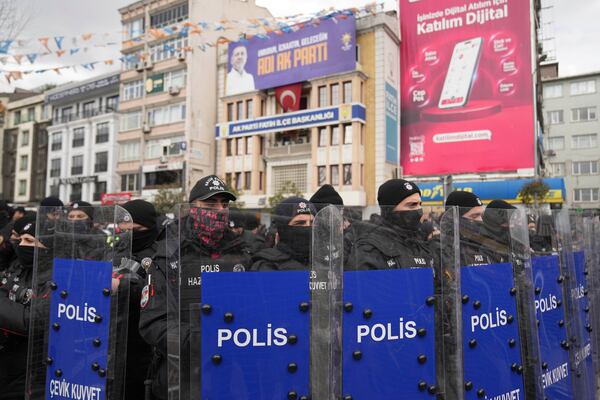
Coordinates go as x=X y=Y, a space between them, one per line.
x=292 y=121
x=432 y=193
x=391 y=124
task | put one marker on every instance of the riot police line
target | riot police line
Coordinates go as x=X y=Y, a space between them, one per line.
x=307 y=301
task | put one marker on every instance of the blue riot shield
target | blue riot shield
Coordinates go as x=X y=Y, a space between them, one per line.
x=591 y=235
x=244 y=318
x=499 y=324
x=401 y=327
x=79 y=305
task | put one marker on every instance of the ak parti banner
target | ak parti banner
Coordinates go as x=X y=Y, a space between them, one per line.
x=467 y=96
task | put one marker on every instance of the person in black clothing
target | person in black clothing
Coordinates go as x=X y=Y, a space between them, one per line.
x=15 y=295
x=325 y=196
x=246 y=225
x=18 y=213
x=470 y=224
x=496 y=231
x=204 y=244
x=293 y=218
x=144 y=231
x=392 y=240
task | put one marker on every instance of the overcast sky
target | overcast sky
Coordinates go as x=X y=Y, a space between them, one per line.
x=576 y=27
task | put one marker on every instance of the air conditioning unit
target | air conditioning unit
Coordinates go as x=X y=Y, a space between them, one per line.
x=163 y=159
x=181 y=55
x=550 y=153
x=139 y=67
x=174 y=90
x=146 y=128
x=149 y=65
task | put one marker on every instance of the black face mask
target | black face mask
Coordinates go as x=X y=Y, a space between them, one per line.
x=407 y=220
x=25 y=254
x=298 y=239
x=470 y=227
x=143 y=239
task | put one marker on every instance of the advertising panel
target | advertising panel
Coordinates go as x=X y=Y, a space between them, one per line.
x=467 y=90
x=313 y=50
x=392 y=81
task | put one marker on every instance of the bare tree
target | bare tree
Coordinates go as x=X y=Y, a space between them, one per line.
x=14 y=16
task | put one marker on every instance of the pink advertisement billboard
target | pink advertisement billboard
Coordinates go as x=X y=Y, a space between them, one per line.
x=467 y=99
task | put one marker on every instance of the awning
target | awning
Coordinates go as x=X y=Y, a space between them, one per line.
x=508 y=190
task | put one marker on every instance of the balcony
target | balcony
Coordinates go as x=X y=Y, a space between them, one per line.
x=62 y=119
x=76 y=170
x=288 y=150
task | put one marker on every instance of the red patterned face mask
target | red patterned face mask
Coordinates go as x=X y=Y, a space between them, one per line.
x=208 y=226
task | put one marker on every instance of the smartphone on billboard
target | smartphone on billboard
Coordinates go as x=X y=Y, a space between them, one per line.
x=462 y=69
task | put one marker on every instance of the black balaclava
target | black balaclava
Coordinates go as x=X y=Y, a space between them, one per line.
x=392 y=193
x=143 y=213
x=296 y=240
x=496 y=219
x=25 y=225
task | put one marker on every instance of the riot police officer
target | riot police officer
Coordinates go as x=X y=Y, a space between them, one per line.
x=496 y=231
x=247 y=225
x=392 y=240
x=15 y=295
x=293 y=219
x=205 y=245
x=470 y=223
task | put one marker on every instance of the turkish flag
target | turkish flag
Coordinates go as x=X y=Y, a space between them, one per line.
x=288 y=96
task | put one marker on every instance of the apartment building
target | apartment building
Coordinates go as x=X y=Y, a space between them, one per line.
x=353 y=145
x=83 y=153
x=168 y=103
x=572 y=126
x=25 y=147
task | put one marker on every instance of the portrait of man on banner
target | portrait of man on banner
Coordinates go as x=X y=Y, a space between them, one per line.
x=238 y=79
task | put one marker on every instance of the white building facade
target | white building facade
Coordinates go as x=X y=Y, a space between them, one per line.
x=82 y=142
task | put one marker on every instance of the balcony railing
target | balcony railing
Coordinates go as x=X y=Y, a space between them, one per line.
x=288 y=150
x=61 y=119
x=76 y=170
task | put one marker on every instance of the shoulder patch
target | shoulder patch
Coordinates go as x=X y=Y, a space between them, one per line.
x=145 y=296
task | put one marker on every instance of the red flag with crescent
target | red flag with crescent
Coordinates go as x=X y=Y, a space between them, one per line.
x=288 y=97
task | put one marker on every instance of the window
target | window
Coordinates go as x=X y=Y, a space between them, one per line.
x=322 y=137
x=129 y=151
x=335 y=175
x=228 y=179
x=555 y=117
x=170 y=16
x=556 y=143
x=133 y=90
x=164 y=147
x=263 y=108
x=558 y=169
x=88 y=109
x=584 y=141
x=167 y=49
x=347 y=92
x=131 y=120
x=130 y=60
x=77 y=165
x=155 y=180
x=55 y=190
x=583 y=87
x=55 y=168
x=112 y=103
x=102 y=132
x=175 y=79
x=585 y=167
x=75 y=192
x=229 y=145
x=260 y=180
x=56 y=141
x=99 y=189
x=348 y=134
x=322 y=175
x=133 y=29
x=239 y=110
x=249 y=109
x=65 y=114
x=25 y=138
x=581 y=195
x=17 y=119
x=583 y=114
x=335 y=135
x=22 y=187
x=167 y=114
x=23 y=163
x=322 y=96
x=249 y=145
x=553 y=91
x=282 y=175
x=238 y=181
x=261 y=145
x=129 y=183
x=78 y=137
x=247 y=180
x=229 y=112
x=239 y=145
x=347 y=174
x=101 y=164
x=30 y=114
x=335 y=94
